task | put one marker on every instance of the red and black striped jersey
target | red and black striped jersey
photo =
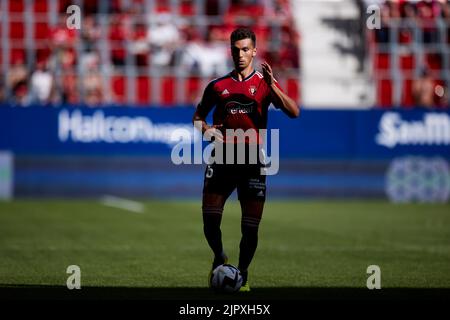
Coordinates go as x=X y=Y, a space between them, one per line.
x=238 y=104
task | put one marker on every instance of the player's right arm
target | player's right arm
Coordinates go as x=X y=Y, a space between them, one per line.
x=209 y=100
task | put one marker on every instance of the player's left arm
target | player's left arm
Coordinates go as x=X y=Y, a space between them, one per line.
x=280 y=99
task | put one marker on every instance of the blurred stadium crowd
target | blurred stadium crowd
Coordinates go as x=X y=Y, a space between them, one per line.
x=163 y=52
x=138 y=52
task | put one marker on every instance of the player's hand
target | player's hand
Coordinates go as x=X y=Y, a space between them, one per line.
x=214 y=131
x=267 y=73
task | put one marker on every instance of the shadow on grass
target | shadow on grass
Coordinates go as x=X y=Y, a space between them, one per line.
x=289 y=294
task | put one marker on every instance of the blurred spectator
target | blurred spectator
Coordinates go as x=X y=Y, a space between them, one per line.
x=114 y=7
x=65 y=63
x=446 y=18
x=382 y=35
x=441 y=95
x=206 y=58
x=164 y=37
x=63 y=41
x=162 y=6
x=423 y=90
x=212 y=7
x=426 y=15
x=90 y=33
x=20 y=96
x=285 y=56
x=92 y=81
x=282 y=8
x=61 y=36
x=94 y=98
x=251 y=9
x=72 y=71
x=408 y=10
x=68 y=88
x=243 y=13
x=139 y=46
x=187 y=8
x=118 y=33
x=62 y=63
x=408 y=23
x=289 y=53
x=41 y=84
x=18 y=71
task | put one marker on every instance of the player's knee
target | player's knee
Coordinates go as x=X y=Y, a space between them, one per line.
x=212 y=211
x=212 y=217
x=250 y=224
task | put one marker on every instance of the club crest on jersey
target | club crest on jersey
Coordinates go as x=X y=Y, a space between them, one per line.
x=252 y=90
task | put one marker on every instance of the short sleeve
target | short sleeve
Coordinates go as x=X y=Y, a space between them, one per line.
x=209 y=100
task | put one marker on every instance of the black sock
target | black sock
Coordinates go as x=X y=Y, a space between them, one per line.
x=248 y=245
x=244 y=275
x=212 y=218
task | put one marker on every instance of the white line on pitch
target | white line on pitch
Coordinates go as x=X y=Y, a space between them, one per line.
x=121 y=203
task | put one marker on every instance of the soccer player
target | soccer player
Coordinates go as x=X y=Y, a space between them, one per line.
x=241 y=100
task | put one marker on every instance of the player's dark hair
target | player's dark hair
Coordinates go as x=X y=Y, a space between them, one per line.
x=242 y=33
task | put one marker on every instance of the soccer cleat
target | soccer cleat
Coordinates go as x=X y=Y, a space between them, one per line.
x=245 y=285
x=245 y=288
x=223 y=259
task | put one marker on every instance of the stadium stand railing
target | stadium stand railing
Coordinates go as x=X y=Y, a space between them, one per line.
x=411 y=54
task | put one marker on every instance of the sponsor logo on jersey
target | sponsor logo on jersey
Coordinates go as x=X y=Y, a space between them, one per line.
x=234 y=107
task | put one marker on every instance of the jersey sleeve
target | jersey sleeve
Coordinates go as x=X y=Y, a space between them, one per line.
x=209 y=100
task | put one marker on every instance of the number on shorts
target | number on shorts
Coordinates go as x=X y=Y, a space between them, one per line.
x=209 y=172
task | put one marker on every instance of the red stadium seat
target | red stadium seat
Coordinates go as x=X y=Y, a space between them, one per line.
x=405 y=36
x=16 y=6
x=63 y=4
x=384 y=93
x=434 y=61
x=382 y=61
x=193 y=90
x=17 y=55
x=40 y=6
x=16 y=30
x=118 y=32
x=187 y=8
x=293 y=88
x=162 y=6
x=440 y=97
x=118 y=84
x=407 y=62
x=41 y=30
x=168 y=91
x=42 y=54
x=407 y=96
x=143 y=90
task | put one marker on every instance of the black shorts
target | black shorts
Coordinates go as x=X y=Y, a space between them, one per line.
x=246 y=178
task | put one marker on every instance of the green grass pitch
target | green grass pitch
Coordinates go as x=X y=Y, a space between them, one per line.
x=301 y=244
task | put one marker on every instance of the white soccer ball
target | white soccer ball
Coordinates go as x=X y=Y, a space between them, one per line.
x=226 y=278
